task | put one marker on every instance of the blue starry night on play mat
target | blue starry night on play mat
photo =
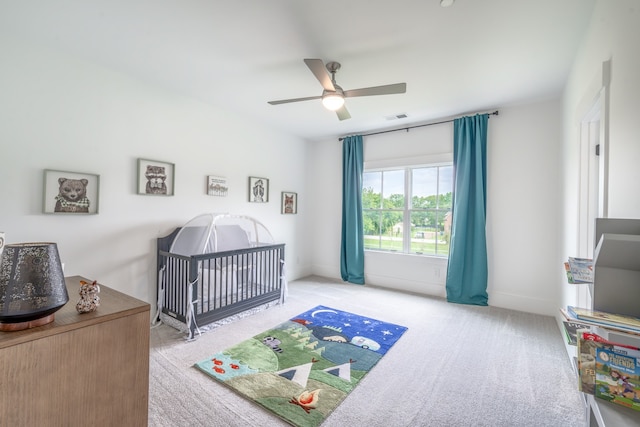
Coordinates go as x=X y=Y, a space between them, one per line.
x=341 y=326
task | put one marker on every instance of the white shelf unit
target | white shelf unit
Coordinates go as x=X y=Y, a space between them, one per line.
x=615 y=289
x=616 y=274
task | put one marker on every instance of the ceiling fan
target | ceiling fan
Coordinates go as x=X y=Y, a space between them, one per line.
x=333 y=96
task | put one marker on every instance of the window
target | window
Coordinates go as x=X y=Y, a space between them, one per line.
x=408 y=209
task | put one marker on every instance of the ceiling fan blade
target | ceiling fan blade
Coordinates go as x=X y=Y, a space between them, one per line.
x=342 y=113
x=285 y=101
x=377 y=90
x=318 y=69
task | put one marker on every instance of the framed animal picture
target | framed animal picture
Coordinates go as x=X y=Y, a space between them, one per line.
x=289 y=202
x=71 y=192
x=156 y=178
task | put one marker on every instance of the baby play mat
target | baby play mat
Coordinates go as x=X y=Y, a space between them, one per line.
x=303 y=368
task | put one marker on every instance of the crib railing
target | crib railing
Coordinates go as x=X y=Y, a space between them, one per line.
x=201 y=289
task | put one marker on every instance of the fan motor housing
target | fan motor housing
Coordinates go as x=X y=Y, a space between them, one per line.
x=333 y=66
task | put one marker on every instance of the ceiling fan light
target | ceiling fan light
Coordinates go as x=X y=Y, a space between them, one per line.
x=332 y=101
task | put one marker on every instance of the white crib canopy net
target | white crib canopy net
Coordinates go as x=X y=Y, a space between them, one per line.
x=210 y=232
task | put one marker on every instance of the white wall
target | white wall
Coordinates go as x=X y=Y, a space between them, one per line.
x=522 y=214
x=613 y=34
x=61 y=113
x=523 y=207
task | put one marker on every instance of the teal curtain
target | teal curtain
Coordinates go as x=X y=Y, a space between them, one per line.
x=467 y=269
x=352 y=245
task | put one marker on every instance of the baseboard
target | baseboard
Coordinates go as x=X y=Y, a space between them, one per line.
x=523 y=303
x=296 y=272
x=387 y=282
x=496 y=299
x=422 y=287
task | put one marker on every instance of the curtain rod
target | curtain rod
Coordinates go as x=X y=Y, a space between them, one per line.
x=495 y=113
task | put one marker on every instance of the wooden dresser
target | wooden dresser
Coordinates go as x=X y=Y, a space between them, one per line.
x=88 y=369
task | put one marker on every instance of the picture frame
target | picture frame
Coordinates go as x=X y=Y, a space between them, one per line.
x=217 y=186
x=74 y=193
x=289 y=202
x=258 y=190
x=156 y=178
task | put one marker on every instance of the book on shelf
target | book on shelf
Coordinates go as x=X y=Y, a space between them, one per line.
x=571 y=331
x=596 y=335
x=608 y=370
x=581 y=270
x=610 y=320
x=616 y=335
x=617 y=376
x=566 y=315
x=567 y=270
x=586 y=363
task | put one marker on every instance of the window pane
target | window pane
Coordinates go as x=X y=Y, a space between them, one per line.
x=430 y=236
x=444 y=235
x=392 y=233
x=383 y=230
x=446 y=187
x=372 y=190
x=424 y=187
x=371 y=222
x=422 y=237
x=393 y=189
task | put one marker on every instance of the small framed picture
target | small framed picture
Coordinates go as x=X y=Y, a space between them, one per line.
x=156 y=178
x=217 y=186
x=71 y=192
x=289 y=202
x=258 y=190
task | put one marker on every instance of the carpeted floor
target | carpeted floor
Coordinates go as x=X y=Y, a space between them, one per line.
x=456 y=365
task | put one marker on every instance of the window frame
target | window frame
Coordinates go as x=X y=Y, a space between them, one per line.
x=407 y=166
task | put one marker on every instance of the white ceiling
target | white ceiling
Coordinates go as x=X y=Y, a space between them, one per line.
x=474 y=56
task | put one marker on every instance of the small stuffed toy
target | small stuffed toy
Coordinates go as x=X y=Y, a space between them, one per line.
x=89 y=299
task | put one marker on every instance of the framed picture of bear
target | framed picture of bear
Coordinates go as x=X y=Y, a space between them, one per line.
x=155 y=178
x=289 y=202
x=71 y=192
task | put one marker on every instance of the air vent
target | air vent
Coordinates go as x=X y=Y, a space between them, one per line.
x=397 y=116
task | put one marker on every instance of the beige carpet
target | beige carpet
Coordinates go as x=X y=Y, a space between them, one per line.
x=456 y=365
